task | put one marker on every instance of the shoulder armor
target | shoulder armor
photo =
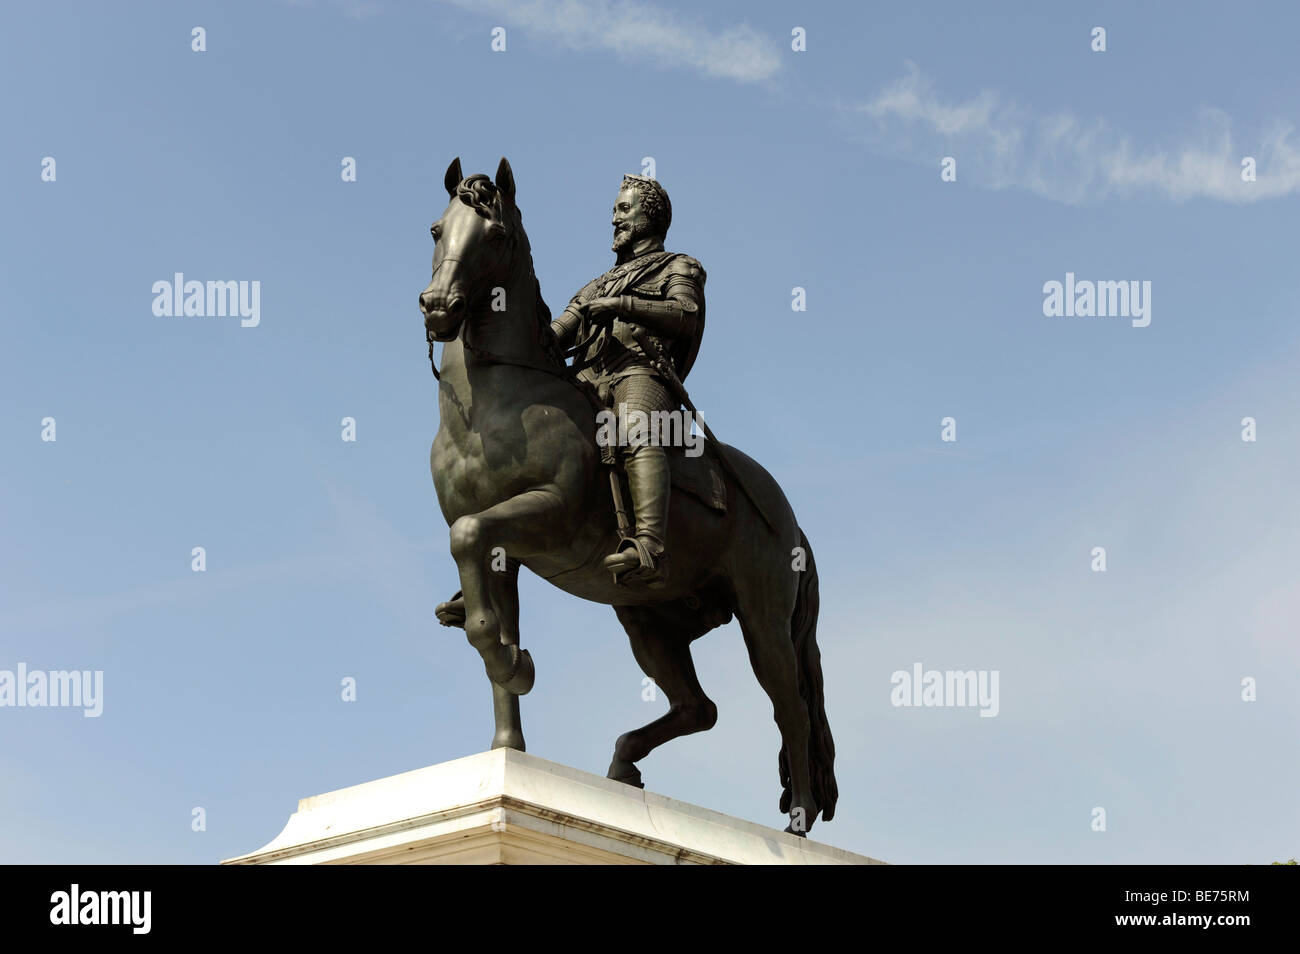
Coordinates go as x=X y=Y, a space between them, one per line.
x=685 y=267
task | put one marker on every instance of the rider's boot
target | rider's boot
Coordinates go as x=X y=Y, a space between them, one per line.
x=642 y=560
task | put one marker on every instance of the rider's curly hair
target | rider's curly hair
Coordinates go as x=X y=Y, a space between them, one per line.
x=654 y=200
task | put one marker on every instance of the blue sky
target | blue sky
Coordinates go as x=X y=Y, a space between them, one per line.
x=817 y=169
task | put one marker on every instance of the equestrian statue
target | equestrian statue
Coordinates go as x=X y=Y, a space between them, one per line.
x=527 y=475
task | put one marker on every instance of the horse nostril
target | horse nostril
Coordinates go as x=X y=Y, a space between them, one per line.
x=424 y=302
x=456 y=305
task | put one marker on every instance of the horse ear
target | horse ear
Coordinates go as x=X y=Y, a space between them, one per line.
x=506 y=179
x=453 y=177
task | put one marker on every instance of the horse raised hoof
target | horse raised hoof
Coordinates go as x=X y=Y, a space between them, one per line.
x=452 y=612
x=621 y=770
x=522 y=674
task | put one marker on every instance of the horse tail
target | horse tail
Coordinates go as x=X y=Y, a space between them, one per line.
x=808 y=664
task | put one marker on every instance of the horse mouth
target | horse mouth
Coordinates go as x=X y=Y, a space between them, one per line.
x=435 y=320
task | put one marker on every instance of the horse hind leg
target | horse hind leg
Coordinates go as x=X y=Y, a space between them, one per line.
x=765 y=622
x=662 y=649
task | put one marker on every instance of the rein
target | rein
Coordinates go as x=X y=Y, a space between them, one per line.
x=565 y=372
x=568 y=371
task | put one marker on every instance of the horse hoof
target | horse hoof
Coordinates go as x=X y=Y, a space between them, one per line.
x=800 y=822
x=521 y=682
x=625 y=772
x=452 y=612
x=508 y=740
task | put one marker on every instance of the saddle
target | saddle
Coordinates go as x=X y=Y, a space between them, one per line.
x=698 y=475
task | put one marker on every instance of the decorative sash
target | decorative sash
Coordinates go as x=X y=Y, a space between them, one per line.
x=615 y=281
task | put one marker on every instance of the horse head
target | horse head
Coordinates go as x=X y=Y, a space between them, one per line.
x=478 y=241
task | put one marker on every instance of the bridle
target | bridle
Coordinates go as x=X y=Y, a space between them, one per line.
x=566 y=371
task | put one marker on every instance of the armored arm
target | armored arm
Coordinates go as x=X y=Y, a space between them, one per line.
x=676 y=315
x=567 y=324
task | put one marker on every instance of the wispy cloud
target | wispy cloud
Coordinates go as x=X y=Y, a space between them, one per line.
x=1063 y=157
x=641 y=31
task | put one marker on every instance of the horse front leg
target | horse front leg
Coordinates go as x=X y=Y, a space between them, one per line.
x=504 y=593
x=508 y=531
x=505 y=599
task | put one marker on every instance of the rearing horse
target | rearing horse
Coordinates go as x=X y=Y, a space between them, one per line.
x=520 y=482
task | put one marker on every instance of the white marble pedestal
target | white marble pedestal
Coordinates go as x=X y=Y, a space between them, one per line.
x=507 y=807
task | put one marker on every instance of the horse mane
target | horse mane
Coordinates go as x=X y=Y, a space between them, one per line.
x=481 y=194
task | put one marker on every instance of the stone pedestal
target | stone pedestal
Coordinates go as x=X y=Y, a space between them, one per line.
x=507 y=807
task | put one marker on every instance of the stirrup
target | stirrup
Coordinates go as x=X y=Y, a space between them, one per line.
x=633 y=563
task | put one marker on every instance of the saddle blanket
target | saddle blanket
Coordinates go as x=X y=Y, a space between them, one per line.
x=700 y=476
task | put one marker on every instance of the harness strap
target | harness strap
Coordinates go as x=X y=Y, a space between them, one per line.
x=564 y=373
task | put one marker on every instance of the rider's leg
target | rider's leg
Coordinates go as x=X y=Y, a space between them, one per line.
x=651 y=484
x=648 y=476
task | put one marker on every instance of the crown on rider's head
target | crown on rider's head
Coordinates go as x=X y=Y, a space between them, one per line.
x=654 y=199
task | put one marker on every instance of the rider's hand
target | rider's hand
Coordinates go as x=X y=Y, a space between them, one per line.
x=602 y=309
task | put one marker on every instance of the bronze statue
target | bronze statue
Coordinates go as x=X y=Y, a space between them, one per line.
x=522 y=481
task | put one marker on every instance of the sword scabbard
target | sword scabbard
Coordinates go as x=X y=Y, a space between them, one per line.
x=665 y=368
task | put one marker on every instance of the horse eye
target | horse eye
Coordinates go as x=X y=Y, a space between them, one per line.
x=435 y=231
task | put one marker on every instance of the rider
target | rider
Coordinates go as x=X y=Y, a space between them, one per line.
x=650 y=300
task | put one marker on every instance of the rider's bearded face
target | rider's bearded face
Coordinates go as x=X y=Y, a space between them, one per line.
x=630 y=221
